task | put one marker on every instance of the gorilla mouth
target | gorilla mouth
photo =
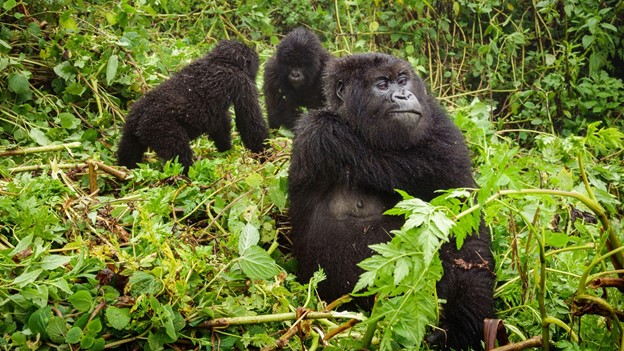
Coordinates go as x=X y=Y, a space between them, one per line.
x=413 y=112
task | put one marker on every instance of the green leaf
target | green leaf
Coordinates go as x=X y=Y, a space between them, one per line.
x=87 y=341
x=118 y=318
x=81 y=300
x=56 y=329
x=39 y=137
x=73 y=335
x=67 y=22
x=18 y=83
x=249 y=236
x=27 y=277
x=94 y=326
x=68 y=121
x=62 y=285
x=98 y=345
x=9 y=4
x=142 y=283
x=111 y=68
x=52 y=262
x=257 y=264
x=38 y=321
x=402 y=269
x=254 y=180
x=65 y=70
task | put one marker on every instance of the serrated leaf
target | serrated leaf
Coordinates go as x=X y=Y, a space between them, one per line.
x=56 y=329
x=366 y=279
x=249 y=236
x=257 y=264
x=73 y=335
x=401 y=270
x=52 y=262
x=81 y=300
x=118 y=318
x=111 y=68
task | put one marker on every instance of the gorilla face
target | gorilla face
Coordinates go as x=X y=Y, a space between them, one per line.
x=380 y=99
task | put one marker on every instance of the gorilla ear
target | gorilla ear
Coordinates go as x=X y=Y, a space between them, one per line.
x=339 y=90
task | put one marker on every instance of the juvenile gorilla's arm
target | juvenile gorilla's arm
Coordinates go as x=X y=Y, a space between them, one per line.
x=249 y=121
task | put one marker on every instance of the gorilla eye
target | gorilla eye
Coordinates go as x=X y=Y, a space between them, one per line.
x=382 y=85
x=402 y=80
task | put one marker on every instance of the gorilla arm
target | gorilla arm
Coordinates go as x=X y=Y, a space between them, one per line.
x=249 y=120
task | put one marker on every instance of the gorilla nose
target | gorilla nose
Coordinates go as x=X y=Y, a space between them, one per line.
x=402 y=95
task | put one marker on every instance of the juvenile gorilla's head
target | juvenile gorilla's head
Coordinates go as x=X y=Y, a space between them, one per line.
x=381 y=97
x=299 y=57
x=237 y=54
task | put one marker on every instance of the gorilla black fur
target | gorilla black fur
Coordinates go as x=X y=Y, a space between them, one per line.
x=196 y=101
x=292 y=77
x=381 y=131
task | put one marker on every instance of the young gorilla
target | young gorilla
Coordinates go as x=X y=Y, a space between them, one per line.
x=196 y=101
x=292 y=77
x=382 y=131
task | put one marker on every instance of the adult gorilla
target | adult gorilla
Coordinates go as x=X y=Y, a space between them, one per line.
x=382 y=131
x=292 y=77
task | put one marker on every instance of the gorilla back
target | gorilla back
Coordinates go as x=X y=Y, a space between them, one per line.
x=381 y=131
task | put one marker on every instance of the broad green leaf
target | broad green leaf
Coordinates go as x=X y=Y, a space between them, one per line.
x=65 y=70
x=249 y=236
x=38 y=321
x=39 y=137
x=73 y=335
x=18 y=83
x=27 y=277
x=57 y=329
x=142 y=283
x=81 y=300
x=9 y=4
x=98 y=344
x=62 y=284
x=111 y=68
x=52 y=262
x=257 y=264
x=37 y=294
x=87 y=341
x=67 y=22
x=68 y=121
x=118 y=318
x=254 y=180
x=94 y=326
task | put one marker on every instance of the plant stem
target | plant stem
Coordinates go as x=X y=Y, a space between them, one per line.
x=32 y=150
x=542 y=293
x=278 y=317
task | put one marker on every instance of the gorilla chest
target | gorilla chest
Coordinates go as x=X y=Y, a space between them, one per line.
x=348 y=204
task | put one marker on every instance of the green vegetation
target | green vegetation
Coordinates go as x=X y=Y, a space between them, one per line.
x=94 y=257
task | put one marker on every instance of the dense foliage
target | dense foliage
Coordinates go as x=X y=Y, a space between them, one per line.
x=94 y=257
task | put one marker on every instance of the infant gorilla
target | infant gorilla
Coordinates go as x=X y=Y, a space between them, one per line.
x=196 y=101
